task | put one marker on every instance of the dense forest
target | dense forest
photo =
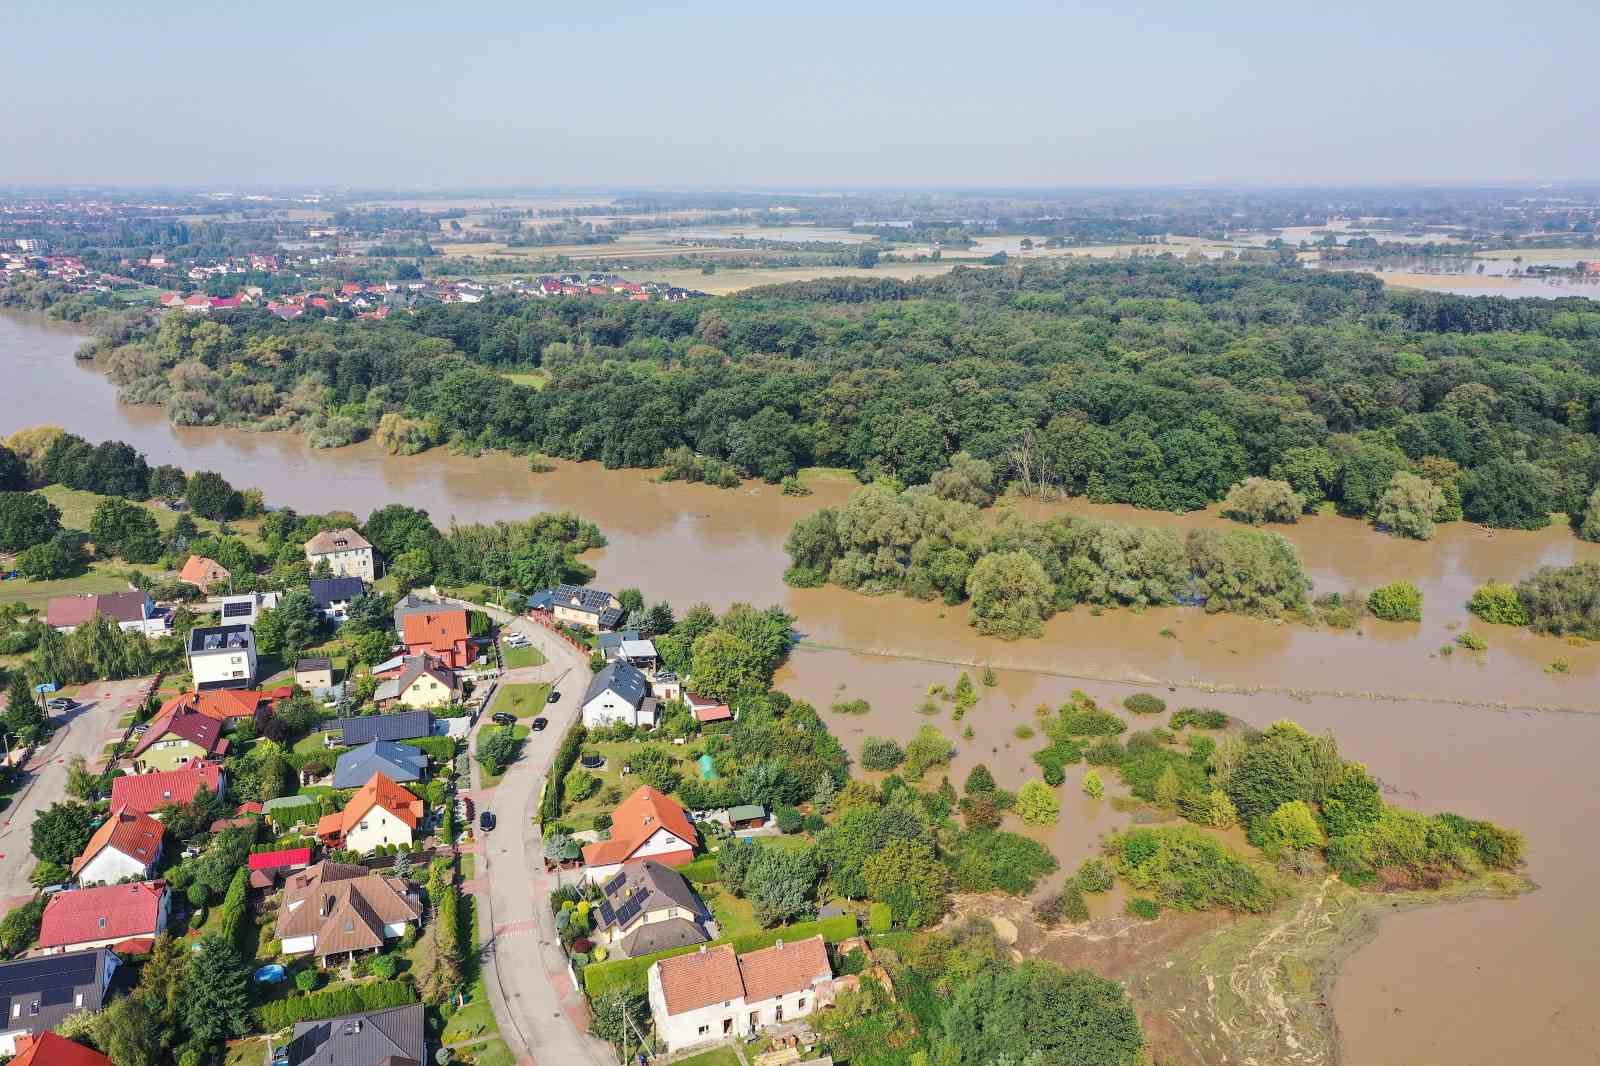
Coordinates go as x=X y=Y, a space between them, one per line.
x=1144 y=381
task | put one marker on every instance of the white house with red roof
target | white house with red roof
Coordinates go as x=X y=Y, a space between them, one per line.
x=103 y=917
x=126 y=846
x=715 y=994
x=646 y=825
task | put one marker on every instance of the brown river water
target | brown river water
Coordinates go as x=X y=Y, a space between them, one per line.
x=1486 y=982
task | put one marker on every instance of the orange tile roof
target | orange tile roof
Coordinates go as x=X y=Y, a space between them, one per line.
x=783 y=968
x=221 y=704
x=379 y=791
x=200 y=571
x=48 y=1049
x=699 y=979
x=136 y=835
x=437 y=629
x=634 y=821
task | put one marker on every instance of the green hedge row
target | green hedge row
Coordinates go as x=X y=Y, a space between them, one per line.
x=333 y=1002
x=295 y=814
x=602 y=977
x=566 y=757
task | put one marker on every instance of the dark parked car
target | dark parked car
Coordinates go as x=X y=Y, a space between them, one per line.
x=486 y=821
x=502 y=718
x=61 y=703
x=540 y=723
x=554 y=697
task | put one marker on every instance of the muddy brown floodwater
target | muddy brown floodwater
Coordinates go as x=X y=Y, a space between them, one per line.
x=1483 y=982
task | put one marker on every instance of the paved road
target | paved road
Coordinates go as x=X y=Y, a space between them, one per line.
x=85 y=730
x=542 y=1017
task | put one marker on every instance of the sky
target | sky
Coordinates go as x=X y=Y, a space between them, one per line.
x=790 y=95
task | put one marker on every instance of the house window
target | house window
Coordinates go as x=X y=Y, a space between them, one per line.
x=703 y=1030
x=801 y=1005
x=755 y=1020
x=777 y=1014
x=727 y=1027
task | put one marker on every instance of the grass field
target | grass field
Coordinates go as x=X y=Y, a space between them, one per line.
x=537 y=379
x=734 y=916
x=524 y=701
x=616 y=753
x=1539 y=255
x=490 y=780
x=98 y=578
x=718 y=1056
x=517 y=658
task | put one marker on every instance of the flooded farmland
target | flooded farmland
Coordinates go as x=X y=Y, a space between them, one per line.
x=1457 y=732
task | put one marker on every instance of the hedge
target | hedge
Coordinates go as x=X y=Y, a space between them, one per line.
x=439 y=749
x=566 y=758
x=703 y=871
x=333 y=1002
x=602 y=977
x=295 y=814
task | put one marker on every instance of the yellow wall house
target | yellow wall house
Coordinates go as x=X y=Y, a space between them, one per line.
x=381 y=812
x=422 y=682
x=176 y=740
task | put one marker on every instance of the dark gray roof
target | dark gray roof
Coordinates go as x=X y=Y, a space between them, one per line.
x=407 y=725
x=327 y=591
x=377 y=1038
x=219 y=638
x=398 y=762
x=314 y=662
x=622 y=678
x=639 y=888
x=662 y=936
x=541 y=600
x=53 y=982
x=613 y=641
x=582 y=598
x=411 y=604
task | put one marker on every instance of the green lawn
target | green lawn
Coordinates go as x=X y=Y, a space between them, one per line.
x=524 y=701
x=536 y=379
x=490 y=780
x=476 y=1018
x=720 y=1056
x=248 y=1052
x=616 y=753
x=517 y=658
x=98 y=578
x=734 y=916
x=469 y=865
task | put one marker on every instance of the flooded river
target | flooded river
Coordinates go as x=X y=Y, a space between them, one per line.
x=1486 y=982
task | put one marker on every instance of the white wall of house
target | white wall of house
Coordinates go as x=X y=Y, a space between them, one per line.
x=719 y=1021
x=232 y=664
x=608 y=708
x=394 y=929
x=110 y=866
x=356 y=562
x=662 y=842
x=377 y=826
x=300 y=945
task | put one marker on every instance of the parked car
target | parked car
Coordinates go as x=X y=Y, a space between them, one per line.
x=61 y=703
x=502 y=718
x=554 y=697
x=486 y=821
x=539 y=724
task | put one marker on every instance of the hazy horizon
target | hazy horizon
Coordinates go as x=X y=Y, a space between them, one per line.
x=1025 y=96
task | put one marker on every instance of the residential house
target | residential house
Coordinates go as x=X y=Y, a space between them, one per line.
x=335 y=908
x=381 y=812
x=392 y=1037
x=267 y=868
x=133 y=611
x=245 y=608
x=627 y=646
x=222 y=656
x=422 y=682
x=127 y=845
x=103 y=917
x=204 y=573
x=397 y=762
x=707 y=711
x=619 y=693
x=404 y=725
x=442 y=633
x=176 y=740
x=149 y=793
x=314 y=673
x=332 y=595
x=589 y=608
x=646 y=825
x=50 y=1049
x=230 y=706
x=715 y=994
x=647 y=907
x=347 y=553
x=36 y=994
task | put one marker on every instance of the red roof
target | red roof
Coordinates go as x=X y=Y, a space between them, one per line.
x=48 y=1049
x=222 y=703
x=635 y=821
x=379 y=791
x=130 y=606
x=200 y=571
x=199 y=729
x=276 y=860
x=437 y=630
x=150 y=792
x=109 y=912
x=136 y=835
x=721 y=712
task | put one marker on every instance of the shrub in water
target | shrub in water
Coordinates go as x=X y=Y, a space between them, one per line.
x=1398 y=601
x=1145 y=703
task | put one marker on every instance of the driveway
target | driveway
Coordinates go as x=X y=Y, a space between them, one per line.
x=85 y=730
x=542 y=1017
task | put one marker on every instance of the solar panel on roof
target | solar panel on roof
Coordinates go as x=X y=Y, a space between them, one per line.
x=607 y=915
x=32 y=974
x=615 y=883
x=238 y=610
x=628 y=911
